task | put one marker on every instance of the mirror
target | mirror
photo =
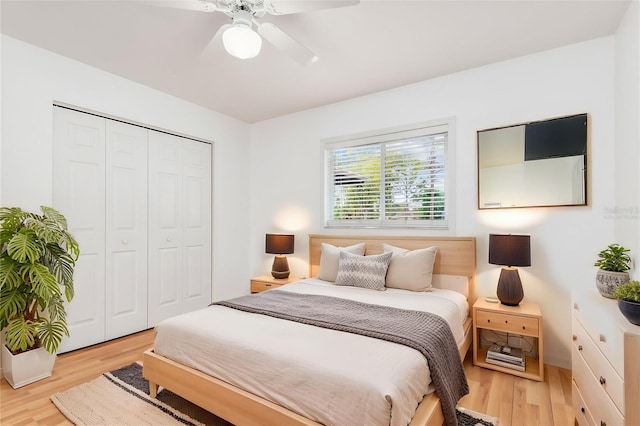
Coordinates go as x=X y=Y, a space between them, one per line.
x=536 y=164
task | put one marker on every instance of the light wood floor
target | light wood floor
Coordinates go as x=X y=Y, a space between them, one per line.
x=514 y=400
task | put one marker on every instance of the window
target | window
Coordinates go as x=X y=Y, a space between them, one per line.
x=398 y=178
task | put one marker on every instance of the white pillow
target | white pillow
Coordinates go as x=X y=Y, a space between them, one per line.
x=410 y=269
x=329 y=259
x=363 y=271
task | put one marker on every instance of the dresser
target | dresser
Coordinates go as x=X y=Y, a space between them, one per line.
x=605 y=357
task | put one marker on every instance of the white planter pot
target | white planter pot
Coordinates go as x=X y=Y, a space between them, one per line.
x=27 y=367
x=607 y=281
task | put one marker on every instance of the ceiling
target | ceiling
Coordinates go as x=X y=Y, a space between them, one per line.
x=373 y=46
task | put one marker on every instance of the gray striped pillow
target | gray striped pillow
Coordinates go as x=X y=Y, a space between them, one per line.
x=363 y=271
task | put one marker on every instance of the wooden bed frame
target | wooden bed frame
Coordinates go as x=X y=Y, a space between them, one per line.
x=456 y=256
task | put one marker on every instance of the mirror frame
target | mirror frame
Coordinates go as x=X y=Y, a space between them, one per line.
x=585 y=176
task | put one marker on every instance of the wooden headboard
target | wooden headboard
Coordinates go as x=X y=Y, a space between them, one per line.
x=456 y=255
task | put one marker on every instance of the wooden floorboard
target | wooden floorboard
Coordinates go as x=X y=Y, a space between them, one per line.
x=515 y=401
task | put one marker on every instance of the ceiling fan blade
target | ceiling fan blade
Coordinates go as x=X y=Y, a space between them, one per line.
x=210 y=47
x=286 y=7
x=283 y=41
x=197 y=5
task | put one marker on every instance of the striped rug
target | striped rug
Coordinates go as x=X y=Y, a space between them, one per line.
x=121 y=398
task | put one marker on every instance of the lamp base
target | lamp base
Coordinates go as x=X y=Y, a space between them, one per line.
x=509 y=289
x=280 y=268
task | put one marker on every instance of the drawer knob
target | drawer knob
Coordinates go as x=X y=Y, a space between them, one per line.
x=574 y=337
x=579 y=347
x=267 y=285
x=489 y=320
x=582 y=410
x=603 y=381
x=603 y=423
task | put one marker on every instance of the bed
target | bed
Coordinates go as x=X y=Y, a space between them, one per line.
x=456 y=257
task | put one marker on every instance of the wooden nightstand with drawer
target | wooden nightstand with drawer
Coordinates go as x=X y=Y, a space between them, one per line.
x=522 y=320
x=267 y=282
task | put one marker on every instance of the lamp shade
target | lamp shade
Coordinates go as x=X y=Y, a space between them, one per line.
x=510 y=250
x=279 y=244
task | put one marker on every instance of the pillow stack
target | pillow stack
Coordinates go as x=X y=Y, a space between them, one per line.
x=395 y=268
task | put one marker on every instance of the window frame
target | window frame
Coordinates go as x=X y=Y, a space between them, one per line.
x=389 y=135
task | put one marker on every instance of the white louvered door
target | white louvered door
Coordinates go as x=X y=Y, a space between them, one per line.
x=79 y=194
x=179 y=226
x=126 y=229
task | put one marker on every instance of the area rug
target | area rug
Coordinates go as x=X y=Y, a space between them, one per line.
x=121 y=397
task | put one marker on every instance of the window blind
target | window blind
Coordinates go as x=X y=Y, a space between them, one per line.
x=395 y=179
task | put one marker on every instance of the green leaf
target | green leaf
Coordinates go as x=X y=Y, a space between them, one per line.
x=20 y=334
x=55 y=216
x=13 y=302
x=23 y=247
x=629 y=291
x=9 y=273
x=51 y=333
x=12 y=218
x=44 y=229
x=56 y=310
x=42 y=281
x=614 y=258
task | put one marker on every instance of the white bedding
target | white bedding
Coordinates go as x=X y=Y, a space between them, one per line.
x=332 y=377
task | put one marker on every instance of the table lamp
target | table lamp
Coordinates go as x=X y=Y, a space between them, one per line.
x=510 y=251
x=279 y=244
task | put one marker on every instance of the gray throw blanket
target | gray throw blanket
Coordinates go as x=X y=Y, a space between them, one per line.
x=425 y=332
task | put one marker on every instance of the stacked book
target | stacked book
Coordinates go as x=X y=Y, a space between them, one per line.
x=506 y=357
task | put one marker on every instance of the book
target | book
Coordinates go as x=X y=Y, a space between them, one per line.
x=505 y=353
x=505 y=364
x=514 y=362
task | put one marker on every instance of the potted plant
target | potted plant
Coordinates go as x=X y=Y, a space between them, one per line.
x=628 y=296
x=613 y=263
x=37 y=259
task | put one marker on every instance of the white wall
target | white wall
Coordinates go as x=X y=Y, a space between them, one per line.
x=626 y=210
x=33 y=78
x=286 y=163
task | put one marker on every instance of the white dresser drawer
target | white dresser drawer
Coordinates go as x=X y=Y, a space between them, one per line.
x=582 y=413
x=607 y=335
x=600 y=367
x=601 y=407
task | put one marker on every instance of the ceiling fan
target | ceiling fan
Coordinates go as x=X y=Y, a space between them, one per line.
x=239 y=38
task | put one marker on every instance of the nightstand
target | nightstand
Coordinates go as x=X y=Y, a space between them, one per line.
x=267 y=282
x=523 y=320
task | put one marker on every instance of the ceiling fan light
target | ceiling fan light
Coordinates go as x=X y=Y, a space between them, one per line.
x=241 y=41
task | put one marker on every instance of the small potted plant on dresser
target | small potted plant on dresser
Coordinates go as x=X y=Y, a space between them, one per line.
x=37 y=259
x=614 y=264
x=628 y=295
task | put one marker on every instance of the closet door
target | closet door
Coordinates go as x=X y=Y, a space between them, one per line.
x=196 y=232
x=179 y=226
x=126 y=228
x=79 y=194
